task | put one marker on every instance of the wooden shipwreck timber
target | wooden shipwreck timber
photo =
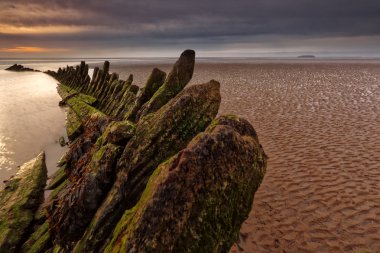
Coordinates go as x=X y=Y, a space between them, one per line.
x=148 y=170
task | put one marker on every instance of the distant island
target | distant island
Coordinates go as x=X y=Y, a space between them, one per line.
x=307 y=56
x=20 y=68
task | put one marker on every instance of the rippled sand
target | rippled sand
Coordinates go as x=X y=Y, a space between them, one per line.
x=319 y=122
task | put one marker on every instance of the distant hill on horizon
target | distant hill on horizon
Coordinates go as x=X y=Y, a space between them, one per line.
x=308 y=56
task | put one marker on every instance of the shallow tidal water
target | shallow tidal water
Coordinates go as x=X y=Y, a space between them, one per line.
x=30 y=120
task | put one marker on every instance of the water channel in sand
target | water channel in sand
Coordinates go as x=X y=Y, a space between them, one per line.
x=30 y=120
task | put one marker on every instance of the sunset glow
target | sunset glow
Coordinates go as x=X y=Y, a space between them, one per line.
x=31 y=50
x=51 y=29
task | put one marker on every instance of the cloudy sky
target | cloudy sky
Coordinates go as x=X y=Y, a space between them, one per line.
x=117 y=28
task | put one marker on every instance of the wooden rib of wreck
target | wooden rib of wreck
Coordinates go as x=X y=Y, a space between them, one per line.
x=148 y=170
x=19 y=200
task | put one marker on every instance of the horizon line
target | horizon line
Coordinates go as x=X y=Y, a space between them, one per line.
x=300 y=57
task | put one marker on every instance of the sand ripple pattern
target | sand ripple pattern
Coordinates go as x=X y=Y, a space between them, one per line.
x=319 y=122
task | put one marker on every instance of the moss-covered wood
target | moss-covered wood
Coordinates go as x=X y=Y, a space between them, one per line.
x=81 y=108
x=19 y=200
x=176 y=80
x=197 y=200
x=154 y=82
x=71 y=212
x=57 y=178
x=117 y=132
x=158 y=136
x=74 y=126
x=39 y=241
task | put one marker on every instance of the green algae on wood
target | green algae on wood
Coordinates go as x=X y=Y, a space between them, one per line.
x=202 y=195
x=117 y=132
x=19 y=200
x=158 y=136
x=114 y=96
x=57 y=178
x=87 y=99
x=82 y=109
x=176 y=80
x=39 y=241
x=154 y=82
x=80 y=103
x=62 y=141
x=40 y=214
x=57 y=190
x=126 y=102
x=72 y=211
x=130 y=218
x=66 y=92
x=74 y=126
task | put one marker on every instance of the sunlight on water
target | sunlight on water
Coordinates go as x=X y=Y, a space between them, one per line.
x=30 y=119
x=5 y=163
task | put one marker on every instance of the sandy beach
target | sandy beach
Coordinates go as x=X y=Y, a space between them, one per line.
x=319 y=124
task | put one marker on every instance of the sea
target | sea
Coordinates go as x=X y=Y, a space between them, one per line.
x=317 y=119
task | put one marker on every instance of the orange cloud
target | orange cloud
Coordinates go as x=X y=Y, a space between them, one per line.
x=31 y=49
x=51 y=29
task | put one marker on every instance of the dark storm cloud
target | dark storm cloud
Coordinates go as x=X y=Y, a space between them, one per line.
x=118 y=22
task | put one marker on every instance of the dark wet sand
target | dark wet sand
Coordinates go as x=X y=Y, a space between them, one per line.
x=319 y=124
